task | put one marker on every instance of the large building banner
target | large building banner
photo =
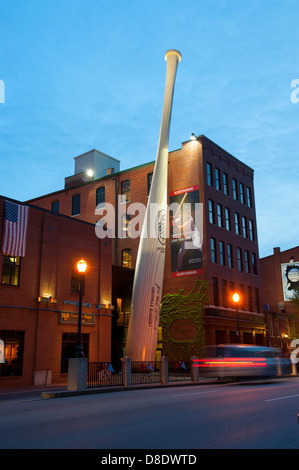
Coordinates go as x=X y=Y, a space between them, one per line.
x=290 y=279
x=186 y=228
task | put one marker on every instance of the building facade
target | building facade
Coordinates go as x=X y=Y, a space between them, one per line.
x=39 y=297
x=280 y=281
x=220 y=191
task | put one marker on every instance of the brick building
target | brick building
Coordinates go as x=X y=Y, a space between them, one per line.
x=229 y=261
x=39 y=296
x=280 y=276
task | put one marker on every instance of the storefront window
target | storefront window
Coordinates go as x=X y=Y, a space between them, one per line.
x=14 y=348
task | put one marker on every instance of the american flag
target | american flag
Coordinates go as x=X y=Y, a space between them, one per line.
x=15 y=229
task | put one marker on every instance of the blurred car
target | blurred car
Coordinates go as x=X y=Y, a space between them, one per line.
x=242 y=360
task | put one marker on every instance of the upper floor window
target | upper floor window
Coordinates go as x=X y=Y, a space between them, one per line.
x=211 y=212
x=222 y=253
x=76 y=204
x=125 y=228
x=225 y=184
x=213 y=251
x=253 y=263
x=242 y=195
x=227 y=219
x=209 y=174
x=244 y=227
x=249 y=197
x=126 y=190
x=100 y=195
x=126 y=258
x=239 y=257
x=251 y=230
x=149 y=182
x=237 y=223
x=55 y=207
x=11 y=270
x=235 y=189
x=219 y=215
x=230 y=261
x=217 y=179
x=247 y=265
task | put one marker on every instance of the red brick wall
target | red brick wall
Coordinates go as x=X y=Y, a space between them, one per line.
x=54 y=245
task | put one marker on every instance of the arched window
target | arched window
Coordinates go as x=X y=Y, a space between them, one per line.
x=126 y=258
x=126 y=190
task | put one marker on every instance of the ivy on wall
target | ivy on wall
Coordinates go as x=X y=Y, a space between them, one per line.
x=179 y=307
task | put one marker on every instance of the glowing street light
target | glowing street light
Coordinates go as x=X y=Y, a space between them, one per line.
x=81 y=266
x=236 y=299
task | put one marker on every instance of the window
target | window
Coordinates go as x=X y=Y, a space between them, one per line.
x=235 y=189
x=69 y=342
x=125 y=229
x=237 y=223
x=230 y=256
x=215 y=291
x=256 y=299
x=213 y=251
x=239 y=257
x=227 y=219
x=253 y=263
x=209 y=174
x=14 y=347
x=126 y=258
x=55 y=207
x=149 y=182
x=251 y=230
x=217 y=179
x=211 y=212
x=244 y=227
x=76 y=204
x=247 y=265
x=219 y=215
x=126 y=190
x=250 y=300
x=222 y=253
x=100 y=195
x=11 y=270
x=249 y=197
x=242 y=195
x=225 y=184
x=224 y=293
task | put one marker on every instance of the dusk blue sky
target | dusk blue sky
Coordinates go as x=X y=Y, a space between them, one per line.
x=84 y=74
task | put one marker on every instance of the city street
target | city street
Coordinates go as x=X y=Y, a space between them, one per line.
x=216 y=416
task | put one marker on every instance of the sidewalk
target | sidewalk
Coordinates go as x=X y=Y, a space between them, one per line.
x=64 y=392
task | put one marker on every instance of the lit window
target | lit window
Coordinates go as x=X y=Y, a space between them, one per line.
x=126 y=258
x=11 y=270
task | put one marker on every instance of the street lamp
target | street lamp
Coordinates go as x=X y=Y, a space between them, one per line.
x=81 y=266
x=236 y=299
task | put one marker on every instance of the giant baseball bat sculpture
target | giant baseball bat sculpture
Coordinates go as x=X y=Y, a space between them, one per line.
x=143 y=327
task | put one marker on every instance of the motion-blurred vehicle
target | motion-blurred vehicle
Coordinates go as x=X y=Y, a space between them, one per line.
x=242 y=360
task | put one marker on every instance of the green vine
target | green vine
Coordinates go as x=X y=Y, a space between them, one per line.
x=190 y=306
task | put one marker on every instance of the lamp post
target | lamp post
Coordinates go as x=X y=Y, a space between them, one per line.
x=81 y=266
x=236 y=299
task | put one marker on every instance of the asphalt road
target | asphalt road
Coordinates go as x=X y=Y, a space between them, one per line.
x=230 y=416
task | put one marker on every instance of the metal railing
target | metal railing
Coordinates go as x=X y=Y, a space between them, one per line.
x=104 y=374
x=145 y=372
x=179 y=370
